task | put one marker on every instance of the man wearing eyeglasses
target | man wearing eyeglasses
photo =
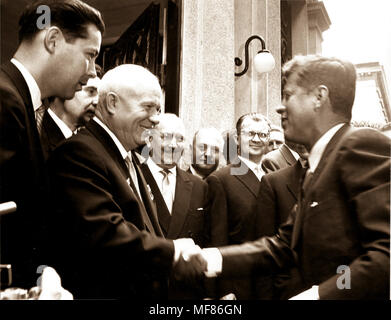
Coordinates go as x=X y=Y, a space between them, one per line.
x=233 y=192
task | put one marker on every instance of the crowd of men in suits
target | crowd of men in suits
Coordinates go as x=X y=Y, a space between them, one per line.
x=95 y=170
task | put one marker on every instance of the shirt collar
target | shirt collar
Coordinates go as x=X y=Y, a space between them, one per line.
x=250 y=164
x=66 y=131
x=155 y=169
x=35 y=92
x=119 y=145
x=320 y=145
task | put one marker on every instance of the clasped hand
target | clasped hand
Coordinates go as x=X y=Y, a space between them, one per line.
x=189 y=264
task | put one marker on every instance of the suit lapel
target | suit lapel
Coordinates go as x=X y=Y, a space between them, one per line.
x=163 y=215
x=287 y=154
x=249 y=179
x=181 y=204
x=108 y=143
x=294 y=182
x=146 y=194
x=51 y=135
x=302 y=203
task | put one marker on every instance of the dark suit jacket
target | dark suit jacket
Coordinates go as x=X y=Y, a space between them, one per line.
x=278 y=159
x=104 y=238
x=51 y=134
x=23 y=178
x=187 y=220
x=232 y=199
x=278 y=193
x=343 y=220
x=188 y=210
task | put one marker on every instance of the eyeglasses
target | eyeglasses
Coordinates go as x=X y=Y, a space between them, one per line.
x=252 y=134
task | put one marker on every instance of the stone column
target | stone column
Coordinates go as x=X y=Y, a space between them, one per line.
x=255 y=92
x=207 y=65
x=318 y=22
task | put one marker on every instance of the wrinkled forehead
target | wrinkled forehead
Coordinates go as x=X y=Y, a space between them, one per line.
x=250 y=124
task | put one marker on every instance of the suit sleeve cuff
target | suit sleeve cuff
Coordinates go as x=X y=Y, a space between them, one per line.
x=215 y=262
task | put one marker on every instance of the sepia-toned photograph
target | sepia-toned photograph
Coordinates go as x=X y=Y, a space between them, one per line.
x=178 y=153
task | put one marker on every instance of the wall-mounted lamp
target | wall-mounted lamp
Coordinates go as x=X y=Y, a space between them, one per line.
x=263 y=61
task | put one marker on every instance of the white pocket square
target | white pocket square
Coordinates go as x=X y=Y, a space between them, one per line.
x=314 y=204
x=200 y=209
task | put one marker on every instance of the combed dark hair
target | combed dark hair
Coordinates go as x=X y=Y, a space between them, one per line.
x=71 y=16
x=254 y=116
x=339 y=76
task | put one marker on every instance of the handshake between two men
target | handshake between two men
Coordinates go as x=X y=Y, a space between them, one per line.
x=191 y=263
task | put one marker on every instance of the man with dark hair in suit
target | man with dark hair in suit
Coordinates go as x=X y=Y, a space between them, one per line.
x=53 y=60
x=64 y=118
x=338 y=235
x=232 y=193
x=180 y=197
x=276 y=138
x=105 y=233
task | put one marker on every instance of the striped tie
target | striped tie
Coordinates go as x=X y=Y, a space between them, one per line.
x=39 y=117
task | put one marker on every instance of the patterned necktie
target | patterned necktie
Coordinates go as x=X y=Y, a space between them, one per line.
x=132 y=172
x=39 y=117
x=306 y=181
x=166 y=189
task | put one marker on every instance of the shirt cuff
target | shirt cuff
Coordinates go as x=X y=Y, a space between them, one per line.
x=215 y=261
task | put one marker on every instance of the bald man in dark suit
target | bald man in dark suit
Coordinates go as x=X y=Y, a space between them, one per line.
x=105 y=234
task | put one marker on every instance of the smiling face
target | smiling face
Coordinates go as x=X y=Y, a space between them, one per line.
x=136 y=112
x=253 y=139
x=298 y=115
x=81 y=108
x=74 y=62
x=168 y=141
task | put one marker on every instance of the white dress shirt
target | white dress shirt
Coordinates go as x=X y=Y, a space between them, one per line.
x=158 y=176
x=320 y=145
x=255 y=168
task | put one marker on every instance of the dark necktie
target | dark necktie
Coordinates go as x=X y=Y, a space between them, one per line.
x=133 y=174
x=307 y=180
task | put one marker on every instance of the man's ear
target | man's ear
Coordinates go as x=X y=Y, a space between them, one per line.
x=52 y=38
x=111 y=103
x=322 y=95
